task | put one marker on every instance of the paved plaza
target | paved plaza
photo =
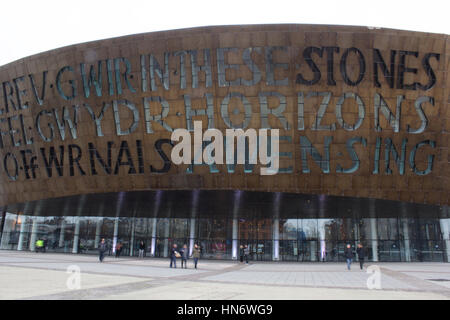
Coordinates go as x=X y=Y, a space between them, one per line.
x=28 y=275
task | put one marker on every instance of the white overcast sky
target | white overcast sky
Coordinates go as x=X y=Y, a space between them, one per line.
x=30 y=27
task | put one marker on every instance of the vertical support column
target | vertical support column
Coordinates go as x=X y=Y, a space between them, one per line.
x=116 y=233
x=98 y=229
x=323 y=248
x=133 y=224
x=313 y=249
x=234 y=236
x=166 y=238
x=2 y=225
x=76 y=235
x=7 y=227
x=356 y=235
x=153 y=247
x=159 y=197
x=191 y=236
x=77 y=217
x=235 y=227
x=276 y=227
x=406 y=239
x=61 y=233
x=276 y=239
x=66 y=212
x=445 y=229
x=195 y=197
x=374 y=235
x=22 y=233
x=33 y=233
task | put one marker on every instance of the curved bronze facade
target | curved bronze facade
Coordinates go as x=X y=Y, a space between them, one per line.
x=363 y=118
x=362 y=112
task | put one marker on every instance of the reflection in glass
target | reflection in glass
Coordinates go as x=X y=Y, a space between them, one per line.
x=295 y=237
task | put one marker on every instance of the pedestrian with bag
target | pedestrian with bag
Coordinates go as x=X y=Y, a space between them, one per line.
x=174 y=254
x=184 y=256
x=348 y=253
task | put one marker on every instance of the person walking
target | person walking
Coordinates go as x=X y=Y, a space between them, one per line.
x=141 y=249
x=348 y=253
x=109 y=247
x=241 y=253
x=173 y=256
x=361 y=255
x=39 y=245
x=45 y=243
x=246 y=253
x=184 y=256
x=196 y=255
x=118 y=249
x=102 y=247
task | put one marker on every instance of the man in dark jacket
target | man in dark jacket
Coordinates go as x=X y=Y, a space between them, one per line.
x=348 y=253
x=361 y=255
x=173 y=256
x=241 y=253
x=102 y=247
x=141 y=249
x=184 y=256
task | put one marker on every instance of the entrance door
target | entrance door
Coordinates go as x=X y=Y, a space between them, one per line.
x=289 y=250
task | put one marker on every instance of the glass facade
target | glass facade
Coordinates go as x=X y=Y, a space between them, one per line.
x=283 y=227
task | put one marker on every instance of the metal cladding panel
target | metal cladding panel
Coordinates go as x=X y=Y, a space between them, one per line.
x=362 y=113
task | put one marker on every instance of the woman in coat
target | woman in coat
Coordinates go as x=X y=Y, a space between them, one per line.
x=361 y=255
x=196 y=255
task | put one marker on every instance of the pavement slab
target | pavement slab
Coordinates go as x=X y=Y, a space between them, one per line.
x=27 y=275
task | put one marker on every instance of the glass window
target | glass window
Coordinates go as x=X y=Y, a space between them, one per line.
x=429 y=229
x=387 y=229
x=288 y=229
x=331 y=227
x=309 y=229
x=48 y=229
x=213 y=229
x=163 y=228
x=60 y=241
x=365 y=229
x=264 y=229
x=348 y=229
x=125 y=226
x=179 y=228
x=11 y=230
x=143 y=227
x=89 y=234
